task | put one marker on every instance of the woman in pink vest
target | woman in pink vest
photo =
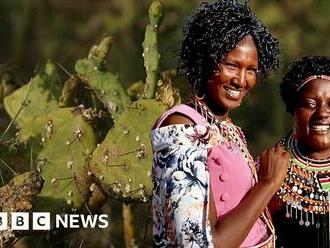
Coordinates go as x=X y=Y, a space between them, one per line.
x=206 y=191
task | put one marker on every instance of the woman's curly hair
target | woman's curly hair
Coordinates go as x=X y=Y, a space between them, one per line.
x=213 y=31
x=298 y=71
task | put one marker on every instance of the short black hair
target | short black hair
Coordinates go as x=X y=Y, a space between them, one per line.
x=213 y=31
x=298 y=71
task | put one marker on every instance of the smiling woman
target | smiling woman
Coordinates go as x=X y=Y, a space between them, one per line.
x=311 y=115
x=206 y=191
x=301 y=208
x=235 y=77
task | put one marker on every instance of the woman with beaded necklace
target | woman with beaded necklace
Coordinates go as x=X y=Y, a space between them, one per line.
x=206 y=191
x=301 y=207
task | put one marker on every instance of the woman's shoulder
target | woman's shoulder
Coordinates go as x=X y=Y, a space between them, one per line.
x=180 y=114
x=183 y=125
x=177 y=118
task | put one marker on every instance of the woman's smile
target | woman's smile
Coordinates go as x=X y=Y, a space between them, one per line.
x=319 y=128
x=234 y=93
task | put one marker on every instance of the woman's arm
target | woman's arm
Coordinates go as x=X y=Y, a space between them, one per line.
x=181 y=189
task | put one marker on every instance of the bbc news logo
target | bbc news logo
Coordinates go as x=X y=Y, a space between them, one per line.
x=42 y=221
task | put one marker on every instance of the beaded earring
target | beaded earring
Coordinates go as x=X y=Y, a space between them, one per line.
x=199 y=98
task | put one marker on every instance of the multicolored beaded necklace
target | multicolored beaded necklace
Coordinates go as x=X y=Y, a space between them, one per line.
x=228 y=130
x=233 y=133
x=305 y=190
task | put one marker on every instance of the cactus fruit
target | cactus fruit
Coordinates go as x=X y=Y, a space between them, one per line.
x=122 y=163
x=98 y=53
x=67 y=142
x=105 y=85
x=150 y=49
x=39 y=96
x=156 y=13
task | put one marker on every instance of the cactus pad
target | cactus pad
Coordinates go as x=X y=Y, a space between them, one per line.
x=67 y=142
x=150 y=49
x=42 y=94
x=122 y=163
x=105 y=85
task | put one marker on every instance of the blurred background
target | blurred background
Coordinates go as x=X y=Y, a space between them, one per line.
x=34 y=31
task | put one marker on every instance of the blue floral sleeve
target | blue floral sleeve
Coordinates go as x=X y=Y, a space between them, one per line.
x=181 y=186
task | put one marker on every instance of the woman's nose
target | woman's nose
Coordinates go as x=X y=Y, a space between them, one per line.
x=240 y=79
x=323 y=111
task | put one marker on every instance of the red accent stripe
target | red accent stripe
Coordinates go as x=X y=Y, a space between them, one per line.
x=324 y=180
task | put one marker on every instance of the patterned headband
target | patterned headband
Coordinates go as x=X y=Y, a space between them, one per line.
x=325 y=77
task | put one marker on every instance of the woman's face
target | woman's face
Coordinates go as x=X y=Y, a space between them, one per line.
x=312 y=116
x=237 y=74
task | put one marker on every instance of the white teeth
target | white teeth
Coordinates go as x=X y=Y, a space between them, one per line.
x=321 y=127
x=233 y=93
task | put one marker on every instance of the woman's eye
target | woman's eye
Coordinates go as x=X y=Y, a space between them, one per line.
x=231 y=66
x=308 y=104
x=253 y=70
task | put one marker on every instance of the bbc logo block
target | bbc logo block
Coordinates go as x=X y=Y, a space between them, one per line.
x=3 y=221
x=41 y=221
x=21 y=221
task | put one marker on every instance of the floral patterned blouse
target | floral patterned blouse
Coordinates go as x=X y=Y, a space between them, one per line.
x=181 y=186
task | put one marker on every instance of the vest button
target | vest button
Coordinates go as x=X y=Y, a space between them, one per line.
x=224 y=197
x=223 y=177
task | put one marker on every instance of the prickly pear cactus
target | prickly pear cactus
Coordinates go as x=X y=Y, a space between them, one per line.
x=37 y=97
x=106 y=86
x=63 y=140
x=67 y=141
x=122 y=163
x=150 y=49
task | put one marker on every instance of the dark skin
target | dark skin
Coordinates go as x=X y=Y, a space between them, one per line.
x=225 y=91
x=312 y=117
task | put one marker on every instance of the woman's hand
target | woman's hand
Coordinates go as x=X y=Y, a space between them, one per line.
x=273 y=166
